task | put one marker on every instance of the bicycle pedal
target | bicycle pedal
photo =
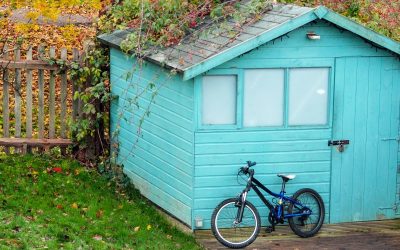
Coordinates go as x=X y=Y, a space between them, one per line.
x=269 y=229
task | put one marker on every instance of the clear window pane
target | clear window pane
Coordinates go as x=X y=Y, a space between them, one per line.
x=263 y=97
x=219 y=100
x=308 y=96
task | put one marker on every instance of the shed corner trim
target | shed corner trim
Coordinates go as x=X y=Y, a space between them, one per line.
x=362 y=31
x=321 y=11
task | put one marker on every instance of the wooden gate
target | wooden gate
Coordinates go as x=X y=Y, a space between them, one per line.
x=37 y=98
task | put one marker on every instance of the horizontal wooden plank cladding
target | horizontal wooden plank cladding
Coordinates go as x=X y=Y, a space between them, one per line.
x=233 y=191
x=398 y=169
x=334 y=42
x=219 y=154
x=261 y=146
x=137 y=85
x=211 y=203
x=158 y=157
x=398 y=192
x=261 y=135
x=170 y=86
x=159 y=174
x=170 y=121
x=161 y=198
x=229 y=180
x=263 y=168
x=305 y=156
x=168 y=154
x=263 y=217
x=156 y=135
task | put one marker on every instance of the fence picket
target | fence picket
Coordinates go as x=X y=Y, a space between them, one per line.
x=17 y=94
x=6 y=100
x=64 y=90
x=75 y=103
x=41 y=97
x=52 y=97
x=29 y=97
x=37 y=133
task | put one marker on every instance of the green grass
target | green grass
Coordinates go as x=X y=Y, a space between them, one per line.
x=75 y=209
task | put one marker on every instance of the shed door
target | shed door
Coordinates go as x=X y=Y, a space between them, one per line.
x=366 y=112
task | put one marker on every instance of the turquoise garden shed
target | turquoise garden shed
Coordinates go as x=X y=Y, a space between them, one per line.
x=276 y=93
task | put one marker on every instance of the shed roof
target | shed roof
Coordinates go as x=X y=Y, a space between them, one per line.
x=198 y=54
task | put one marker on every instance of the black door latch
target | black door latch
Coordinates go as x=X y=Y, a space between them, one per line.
x=338 y=142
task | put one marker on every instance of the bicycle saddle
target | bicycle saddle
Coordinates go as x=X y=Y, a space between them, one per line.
x=287 y=177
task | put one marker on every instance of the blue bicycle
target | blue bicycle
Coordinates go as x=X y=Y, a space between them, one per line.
x=236 y=222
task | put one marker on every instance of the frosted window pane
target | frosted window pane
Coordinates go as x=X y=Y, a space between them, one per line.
x=308 y=96
x=219 y=100
x=263 y=97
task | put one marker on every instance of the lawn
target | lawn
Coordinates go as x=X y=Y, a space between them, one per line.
x=56 y=203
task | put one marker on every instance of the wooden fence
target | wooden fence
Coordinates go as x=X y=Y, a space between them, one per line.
x=37 y=99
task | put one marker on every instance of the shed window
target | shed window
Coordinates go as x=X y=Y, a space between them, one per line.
x=263 y=103
x=308 y=96
x=265 y=98
x=219 y=100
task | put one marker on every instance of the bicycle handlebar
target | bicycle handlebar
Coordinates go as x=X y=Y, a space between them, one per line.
x=251 y=164
x=245 y=169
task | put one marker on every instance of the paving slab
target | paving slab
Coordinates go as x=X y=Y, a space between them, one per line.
x=19 y=15
x=359 y=235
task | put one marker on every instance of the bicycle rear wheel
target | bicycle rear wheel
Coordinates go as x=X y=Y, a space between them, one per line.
x=307 y=225
x=226 y=229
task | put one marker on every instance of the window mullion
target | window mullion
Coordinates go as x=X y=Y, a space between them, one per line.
x=286 y=101
x=239 y=101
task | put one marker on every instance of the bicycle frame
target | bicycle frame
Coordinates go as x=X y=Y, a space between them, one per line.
x=254 y=184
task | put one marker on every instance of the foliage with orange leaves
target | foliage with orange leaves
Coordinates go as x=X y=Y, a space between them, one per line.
x=15 y=29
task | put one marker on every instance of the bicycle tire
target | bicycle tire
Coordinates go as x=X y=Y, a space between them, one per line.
x=234 y=235
x=309 y=225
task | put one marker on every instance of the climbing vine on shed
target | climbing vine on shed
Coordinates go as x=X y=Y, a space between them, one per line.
x=155 y=24
x=160 y=23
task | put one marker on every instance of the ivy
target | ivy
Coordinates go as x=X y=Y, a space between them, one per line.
x=91 y=77
x=165 y=22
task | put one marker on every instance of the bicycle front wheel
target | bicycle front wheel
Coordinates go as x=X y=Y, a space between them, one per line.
x=307 y=225
x=226 y=229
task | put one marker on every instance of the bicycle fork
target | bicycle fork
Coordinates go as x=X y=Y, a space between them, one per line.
x=242 y=200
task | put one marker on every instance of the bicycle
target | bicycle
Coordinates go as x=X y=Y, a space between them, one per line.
x=236 y=223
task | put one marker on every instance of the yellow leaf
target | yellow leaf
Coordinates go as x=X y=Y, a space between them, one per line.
x=35 y=172
x=136 y=229
x=32 y=15
x=148 y=227
x=74 y=205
